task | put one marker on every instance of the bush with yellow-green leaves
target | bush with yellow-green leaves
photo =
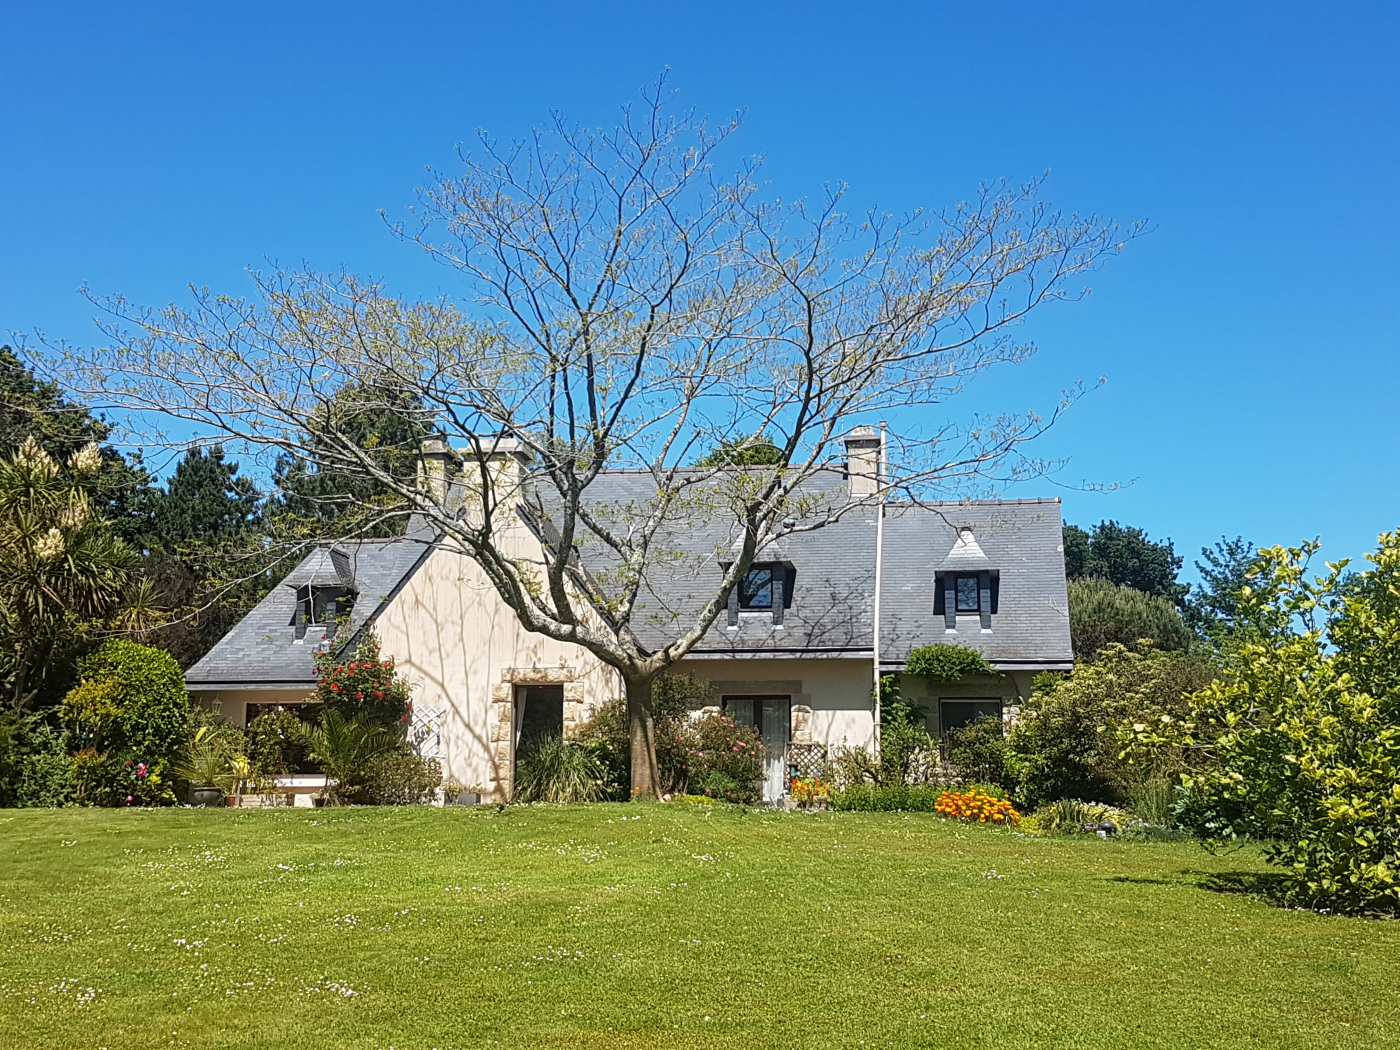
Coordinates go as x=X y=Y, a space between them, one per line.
x=1302 y=729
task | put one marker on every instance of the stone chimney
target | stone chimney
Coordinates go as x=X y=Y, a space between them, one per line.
x=434 y=467
x=454 y=474
x=863 y=461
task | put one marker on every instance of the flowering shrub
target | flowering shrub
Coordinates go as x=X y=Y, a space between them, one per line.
x=99 y=779
x=977 y=805
x=722 y=759
x=808 y=789
x=363 y=686
x=674 y=697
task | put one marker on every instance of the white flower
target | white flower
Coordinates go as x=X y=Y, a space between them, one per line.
x=33 y=457
x=49 y=546
x=87 y=459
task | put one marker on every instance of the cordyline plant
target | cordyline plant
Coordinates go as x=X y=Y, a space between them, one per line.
x=1298 y=742
x=62 y=570
x=626 y=307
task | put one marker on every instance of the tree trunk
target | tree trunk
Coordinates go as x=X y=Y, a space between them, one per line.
x=641 y=731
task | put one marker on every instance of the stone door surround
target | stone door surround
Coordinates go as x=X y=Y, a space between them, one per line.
x=502 y=718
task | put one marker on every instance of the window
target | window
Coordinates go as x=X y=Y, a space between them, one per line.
x=756 y=588
x=966 y=597
x=969 y=594
x=323 y=605
x=954 y=714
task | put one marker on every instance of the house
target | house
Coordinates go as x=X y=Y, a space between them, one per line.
x=793 y=657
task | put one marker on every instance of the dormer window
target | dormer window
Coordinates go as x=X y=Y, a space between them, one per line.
x=323 y=605
x=756 y=588
x=767 y=587
x=966 y=584
x=966 y=593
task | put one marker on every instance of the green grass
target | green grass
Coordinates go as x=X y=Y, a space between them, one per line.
x=650 y=926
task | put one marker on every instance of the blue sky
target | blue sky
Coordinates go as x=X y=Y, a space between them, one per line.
x=1249 y=343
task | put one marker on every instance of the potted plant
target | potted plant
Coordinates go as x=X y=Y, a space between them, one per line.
x=242 y=771
x=810 y=793
x=208 y=766
x=455 y=793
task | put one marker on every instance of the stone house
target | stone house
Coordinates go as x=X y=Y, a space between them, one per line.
x=793 y=657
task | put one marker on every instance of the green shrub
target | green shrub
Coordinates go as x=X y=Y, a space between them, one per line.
x=1303 y=728
x=45 y=778
x=1102 y=613
x=977 y=752
x=946 y=663
x=1065 y=742
x=553 y=769
x=131 y=702
x=720 y=787
x=1157 y=801
x=34 y=766
x=401 y=778
x=908 y=753
x=894 y=798
x=276 y=743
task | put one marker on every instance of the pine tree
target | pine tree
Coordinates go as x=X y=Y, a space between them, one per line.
x=205 y=502
x=377 y=419
x=205 y=551
x=1124 y=555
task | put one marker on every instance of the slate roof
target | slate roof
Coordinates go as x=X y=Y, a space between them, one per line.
x=262 y=651
x=831 y=612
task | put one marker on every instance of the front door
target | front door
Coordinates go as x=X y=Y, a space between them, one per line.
x=539 y=713
x=777 y=728
x=772 y=717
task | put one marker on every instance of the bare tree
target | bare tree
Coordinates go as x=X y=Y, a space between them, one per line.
x=628 y=308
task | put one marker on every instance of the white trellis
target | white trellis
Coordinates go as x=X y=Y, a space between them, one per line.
x=425 y=732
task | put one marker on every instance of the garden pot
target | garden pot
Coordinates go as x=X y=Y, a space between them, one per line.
x=205 y=795
x=467 y=798
x=233 y=800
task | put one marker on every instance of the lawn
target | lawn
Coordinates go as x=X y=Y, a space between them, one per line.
x=655 y=926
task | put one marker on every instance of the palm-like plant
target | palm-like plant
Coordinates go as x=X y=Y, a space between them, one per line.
x=62 y=570
x=210 y=761
x=344 y=747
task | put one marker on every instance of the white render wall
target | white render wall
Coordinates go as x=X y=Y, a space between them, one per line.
x=464 y=651
x=233 y=703
x=837 y=691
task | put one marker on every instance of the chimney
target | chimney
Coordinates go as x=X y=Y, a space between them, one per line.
x=433 y=467
x=863 y=461
x=506 y=462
